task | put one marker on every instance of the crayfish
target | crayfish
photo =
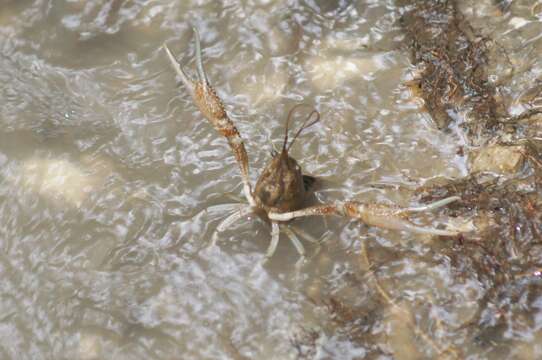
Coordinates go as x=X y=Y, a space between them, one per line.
x=282 y=188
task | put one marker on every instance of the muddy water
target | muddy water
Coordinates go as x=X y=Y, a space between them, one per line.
x=112 y=184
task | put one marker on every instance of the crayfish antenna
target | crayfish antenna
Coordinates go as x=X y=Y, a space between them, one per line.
x=306 y=124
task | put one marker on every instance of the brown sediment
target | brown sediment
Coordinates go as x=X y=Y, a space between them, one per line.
x=453 y=81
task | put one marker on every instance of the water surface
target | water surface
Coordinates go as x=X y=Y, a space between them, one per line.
x=111 y=181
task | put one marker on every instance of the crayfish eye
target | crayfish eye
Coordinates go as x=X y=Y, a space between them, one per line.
x=274 y=153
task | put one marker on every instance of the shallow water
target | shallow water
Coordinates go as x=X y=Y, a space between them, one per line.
x=111 y=181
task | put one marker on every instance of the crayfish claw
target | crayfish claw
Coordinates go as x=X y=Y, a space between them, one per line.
x=185 y=79
x=202 y=76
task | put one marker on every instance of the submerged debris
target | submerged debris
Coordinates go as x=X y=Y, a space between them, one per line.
x=503 y=197
x=453 y=81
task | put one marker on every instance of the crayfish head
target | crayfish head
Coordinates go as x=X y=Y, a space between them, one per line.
x=280 y=187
